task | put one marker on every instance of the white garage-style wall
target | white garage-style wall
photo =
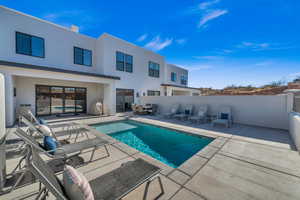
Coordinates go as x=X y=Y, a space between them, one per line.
x=266 y=111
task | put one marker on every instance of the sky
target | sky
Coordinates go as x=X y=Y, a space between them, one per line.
x=220 y=42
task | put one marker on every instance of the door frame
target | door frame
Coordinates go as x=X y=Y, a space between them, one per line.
x=50 y=86
x=123 y=102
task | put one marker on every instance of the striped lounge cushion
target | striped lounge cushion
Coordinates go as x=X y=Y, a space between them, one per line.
x=76 y=185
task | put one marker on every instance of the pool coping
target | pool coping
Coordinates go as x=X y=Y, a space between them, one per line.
x=187 y=169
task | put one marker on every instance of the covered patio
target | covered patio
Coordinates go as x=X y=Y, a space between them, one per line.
x=49 y=91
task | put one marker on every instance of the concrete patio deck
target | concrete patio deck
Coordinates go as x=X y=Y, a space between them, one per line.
x=243 y=162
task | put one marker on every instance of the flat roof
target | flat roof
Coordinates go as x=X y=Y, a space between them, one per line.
x=53 y=69
x=179 y=86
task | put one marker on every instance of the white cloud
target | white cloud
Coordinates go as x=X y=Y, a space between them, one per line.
x=209 y=57
x=199 y=67
x=157 y=43
x=181 y=41
x=206 y=4
x=211 y=15
x=142 y=37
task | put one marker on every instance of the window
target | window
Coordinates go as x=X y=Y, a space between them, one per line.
x=30 y=45
x=153 y=69
x=183 y=79
x=124 y=62
x=153 y=93
x=82 y=56
x=173 y=76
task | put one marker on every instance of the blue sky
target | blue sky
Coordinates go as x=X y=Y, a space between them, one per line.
x=221 y=42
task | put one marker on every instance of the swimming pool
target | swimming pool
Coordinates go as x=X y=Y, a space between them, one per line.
x=168 y=146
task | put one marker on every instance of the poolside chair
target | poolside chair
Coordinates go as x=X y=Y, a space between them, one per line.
x=201 y=115
x=224 y=117
x=35 y=128
x=64 y=152
x=67 y=150
x=112 y=185
x=173 y=111
x=187 y=112
x=30 y=116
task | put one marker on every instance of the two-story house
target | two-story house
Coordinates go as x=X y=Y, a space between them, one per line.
x=56 y=70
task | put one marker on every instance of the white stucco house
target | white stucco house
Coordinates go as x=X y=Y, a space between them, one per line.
x=56 y=70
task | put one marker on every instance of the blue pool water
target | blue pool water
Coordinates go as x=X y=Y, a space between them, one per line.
x=168 y=146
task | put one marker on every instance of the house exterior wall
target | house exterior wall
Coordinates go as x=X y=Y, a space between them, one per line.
x=59 y=42
x=178 y=70
x=139 y=80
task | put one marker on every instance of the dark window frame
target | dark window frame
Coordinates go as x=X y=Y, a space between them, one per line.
x=124 y=62
x=31 y=36
x=153 y=93
x=153 y=72
x=50 y=92
x=82 y=62
x=175 y=76
x=183 y=79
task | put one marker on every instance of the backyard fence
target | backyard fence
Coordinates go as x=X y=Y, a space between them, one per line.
x=265 y=111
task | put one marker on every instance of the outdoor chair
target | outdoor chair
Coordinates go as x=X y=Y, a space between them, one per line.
x=37 y=121
x=187 y=112
x=173 y=111
x=67 y=150
x=35 y=128
x=112 y=185
x=224 y=117
x=201 y=115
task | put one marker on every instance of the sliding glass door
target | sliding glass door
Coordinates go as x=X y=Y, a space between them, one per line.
x=60 y=100
x=124 y=99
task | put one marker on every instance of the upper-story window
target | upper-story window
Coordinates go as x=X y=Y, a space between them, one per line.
x=82 y=56
x=183 y=79
x=173 y=76
x=30 y=45
x=124 y=62
x=153 y=93
x=153 y=69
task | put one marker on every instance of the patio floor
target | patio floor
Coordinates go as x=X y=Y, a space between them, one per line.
x=243 y=162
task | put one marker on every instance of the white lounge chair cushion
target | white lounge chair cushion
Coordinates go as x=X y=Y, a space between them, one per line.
x=76 y=185
x=45 y=130
x=221 y=121
x=173 y=110
x=201 y=113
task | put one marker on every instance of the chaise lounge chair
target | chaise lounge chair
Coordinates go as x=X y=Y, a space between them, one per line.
x=38 y=121
x=224 y=117
x=113 y=185
x=62 y=152
x=67 y=150
x=201 y=114
x=35 y=128
x=173 y=111
x=187 y=112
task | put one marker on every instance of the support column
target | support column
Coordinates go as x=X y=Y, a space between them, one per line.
x=9 y=100
x=2 y=133
x=109 y=101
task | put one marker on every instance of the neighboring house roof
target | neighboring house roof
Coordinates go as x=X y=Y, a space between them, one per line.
x=179 y=86
x=52 y=69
